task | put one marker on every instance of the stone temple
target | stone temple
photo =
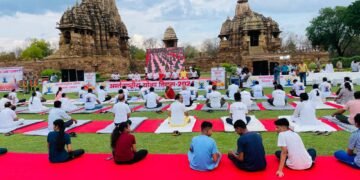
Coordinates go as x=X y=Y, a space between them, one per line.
x=170 y=39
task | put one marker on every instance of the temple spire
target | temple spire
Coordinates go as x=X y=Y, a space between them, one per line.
x=242 y=7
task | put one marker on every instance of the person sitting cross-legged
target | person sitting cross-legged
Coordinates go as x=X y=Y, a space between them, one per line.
x=67 y=105
x=238 y=111
x=203 y=154
x=293 y=153
x=305 y=111
x=57 y=140
x=232 y=89
x=186 y=95
x=58 y=113
x=353 y=107
x=91 y=100
x=297 y=88
x=123 y=145
x=178 y=115
x=103 y=95
x=9 y=118
x=152 y=100
x=279 y=98
x=215 y=99
x=352 y=156
x=35 y=104
x=257 y=91
x=121 y=111
x=250 y=154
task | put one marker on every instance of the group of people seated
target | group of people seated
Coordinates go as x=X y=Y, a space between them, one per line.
x=172 y=75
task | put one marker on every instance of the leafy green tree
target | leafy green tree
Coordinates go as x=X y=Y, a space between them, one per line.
x=330 y=31
x=137 y=53
x=190 y=51
x=38 y=49
x=352 y=17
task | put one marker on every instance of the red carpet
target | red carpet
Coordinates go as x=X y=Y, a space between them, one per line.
x=148 y=126
x=334 y=105
x=218 y=125
x=262 y=108
x=91 y=127
x=159 y=167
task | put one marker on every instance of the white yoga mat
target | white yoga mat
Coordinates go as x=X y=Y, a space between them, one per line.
x=254 y=125
x=83 y=111
x=346 y=127
x=136 y=121
x=73 y=101
x=45 y=131
x=193 y=107
x=254 y=107
x=201 y=98
x=25 y=124
x=225 y=107
x=319 y=126
x=260 y=98
x=28 y=112
x=319 y=106
x=166 y=128
x=144 y=109
x=267 y=106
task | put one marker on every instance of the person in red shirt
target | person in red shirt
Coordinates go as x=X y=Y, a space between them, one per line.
x=124 y=146
x=169 y=93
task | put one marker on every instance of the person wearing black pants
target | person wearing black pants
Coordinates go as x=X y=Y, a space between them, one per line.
x=311 y=151
x=138 y=156
x=3 y=151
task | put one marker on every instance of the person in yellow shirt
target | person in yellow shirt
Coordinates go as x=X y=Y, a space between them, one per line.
x=303 y=70
x=183 y=74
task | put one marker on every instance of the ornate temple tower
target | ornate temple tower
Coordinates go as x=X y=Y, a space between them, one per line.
x=170 y=39
x=92 y=28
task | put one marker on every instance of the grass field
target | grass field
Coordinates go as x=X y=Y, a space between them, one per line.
x=168 y=144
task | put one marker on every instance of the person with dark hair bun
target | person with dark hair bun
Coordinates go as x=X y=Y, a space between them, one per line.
x=315 y=95
x=35 y=104
x=346 y=94
x=123 y=145
x=293 y=153
x=57 y=141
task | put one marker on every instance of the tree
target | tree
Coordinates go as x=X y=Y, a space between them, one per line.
x=7 y=56
x=38 y=49
x=190 y=51
x=211 y=47
x=352 y=17
x=137 y=53
x=330 y=31
x=150 y=43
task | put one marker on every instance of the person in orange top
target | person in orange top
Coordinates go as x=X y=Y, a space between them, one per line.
x=303 y=70
x=183 y=74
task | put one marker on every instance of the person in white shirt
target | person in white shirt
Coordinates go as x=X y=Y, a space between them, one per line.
x=232 y=89
x=14 y=99
x=40 y=95
x=325 y=88
x=178 y=115
x=137 y=77
x=130 y=77
x=156 y=76
x=305 y=112
x=208 y=89
x=279 y=98
x=152 y=100
x=355 y=66
x=82 y=94
x=67 y=105
x=103 y=95
x=238 y=111
x=315 y=95
x=149 y=76
x=246 y=98
x=91 y=101
x=215 y=99
x=57 y=113
x=174 y=75
x=193 y=91
x=143 y=92
x=346 y=80
x=126 y=93
x=35 y=104
x=167 y=75
x=3 y=101
x=257 y=90
x=115 y=77
x=293 y=153
x=186 y=96
x=121 y=111
x=8 y=117
x=329 y=68
x=297 y=88
x=194 y=74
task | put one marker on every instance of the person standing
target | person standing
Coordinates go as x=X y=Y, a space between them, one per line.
x=303 y=70
x=250 y=154
x=277 y=71
x=285 y=69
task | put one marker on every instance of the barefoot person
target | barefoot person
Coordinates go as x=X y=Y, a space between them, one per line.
x=293 y=153
x=186 y=96
x=325 y=88
x=250 y=154
x=178 y=115
x=238 y=111
x=353 y=107
x=346 y=94
x=232 y=89
x=123 y=145
x=57 y=141
x=203 y=154
x=257 y=91
x=352 y=156
x=297 y=88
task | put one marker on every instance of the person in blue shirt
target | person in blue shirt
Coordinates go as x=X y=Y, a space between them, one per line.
x=3 y=151
x=285 y=69
x=250 y=154
x=352 y=156
x=57 y=140
x=277 y=71
x=203 y=154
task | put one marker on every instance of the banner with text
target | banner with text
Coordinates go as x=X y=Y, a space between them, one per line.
x=218 y=76
x=68 y=87
x=10 y=77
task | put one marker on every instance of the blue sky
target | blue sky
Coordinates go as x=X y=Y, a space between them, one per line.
x=193 y=20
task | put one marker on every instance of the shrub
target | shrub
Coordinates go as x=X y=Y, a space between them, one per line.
x=312 y=66
x=229 y=68
x=49 y=72
x=345 y=60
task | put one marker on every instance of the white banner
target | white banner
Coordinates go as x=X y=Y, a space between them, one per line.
x=90 y=79
x=218 y=76
x=10 y=77
x=68 y=87
x=114 y=87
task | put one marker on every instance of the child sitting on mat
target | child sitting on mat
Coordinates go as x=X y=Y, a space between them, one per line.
x=203 y=154
x=123 y=145
x=178 y=115
x=352 y=156
x=250 y=154
x=293 y=153
x=57 y=140
x=238 y=111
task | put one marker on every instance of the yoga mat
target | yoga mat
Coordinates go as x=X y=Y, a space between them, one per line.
x=225 y=107
x=218 y=125
x=292 y=97
x=267 y=106
x=149 y=126
x=254 y=107
x=269 y=124
x=166 y=128
x=346 y=127
x=91 y=127
x=319 y=126
x=25 y=124
x=159 y=167
x=96 y=111
x=136 y=121
x=334 y=125
x=335 y=105
x=144 y=109
x=260 y=98
x=254 y=125
x=261 y=107
x=28 y=112
x=45 y=131
x=73 y=101
x=199 y=107
x=323 y=106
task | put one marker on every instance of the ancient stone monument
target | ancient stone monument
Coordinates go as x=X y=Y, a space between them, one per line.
x=170 y=39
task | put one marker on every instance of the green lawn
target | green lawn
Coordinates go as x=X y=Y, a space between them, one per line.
x=166 y=144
